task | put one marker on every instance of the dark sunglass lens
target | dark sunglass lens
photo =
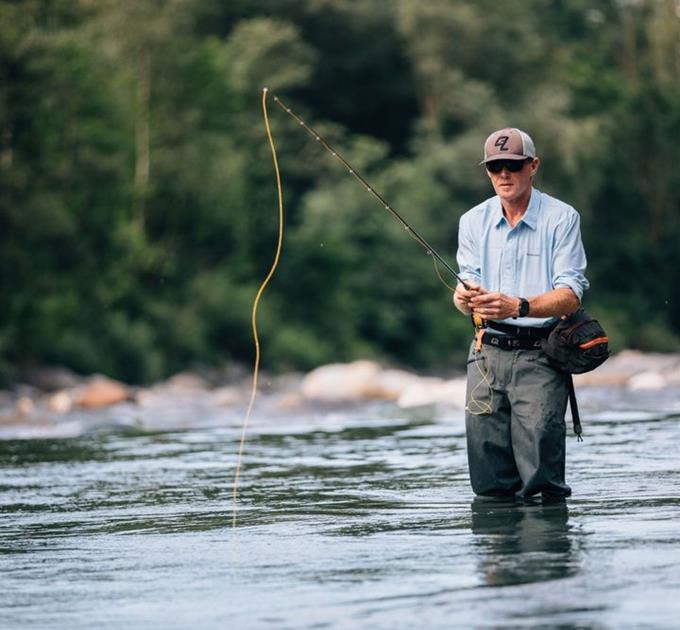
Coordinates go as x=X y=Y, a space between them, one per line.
x=514 y=166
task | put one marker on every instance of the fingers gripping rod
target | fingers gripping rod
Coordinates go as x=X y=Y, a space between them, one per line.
x=428 y=248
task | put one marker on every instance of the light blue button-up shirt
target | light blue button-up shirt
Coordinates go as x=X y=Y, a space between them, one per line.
x=541 y=253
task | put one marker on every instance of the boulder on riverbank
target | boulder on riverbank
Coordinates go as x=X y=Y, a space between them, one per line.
x=635 y=370
x=362 y=381
x=342 y=382
x=101 y=392
x=177 y=389
x=94 y=393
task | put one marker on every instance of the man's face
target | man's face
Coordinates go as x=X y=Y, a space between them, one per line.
x=513 y=187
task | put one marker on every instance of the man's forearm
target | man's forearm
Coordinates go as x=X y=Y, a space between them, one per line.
x=497 y=306
x=555 y=303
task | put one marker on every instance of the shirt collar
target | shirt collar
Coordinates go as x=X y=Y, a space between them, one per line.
x=530 y=217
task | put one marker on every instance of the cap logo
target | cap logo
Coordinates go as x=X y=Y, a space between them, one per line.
x=501 y=142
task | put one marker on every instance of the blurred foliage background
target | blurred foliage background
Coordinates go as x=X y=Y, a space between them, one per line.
x=138 y=201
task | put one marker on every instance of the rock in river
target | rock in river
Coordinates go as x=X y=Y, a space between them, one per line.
x=101 y=392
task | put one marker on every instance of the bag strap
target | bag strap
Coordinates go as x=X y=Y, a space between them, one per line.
x=576 y=419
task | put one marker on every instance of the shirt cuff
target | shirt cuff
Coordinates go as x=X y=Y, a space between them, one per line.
x=574 y=285
x=471 y=277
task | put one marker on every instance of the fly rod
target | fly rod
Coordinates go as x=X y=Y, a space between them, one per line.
x=429 y=250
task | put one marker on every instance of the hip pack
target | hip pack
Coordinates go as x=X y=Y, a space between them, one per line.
x=577 y=344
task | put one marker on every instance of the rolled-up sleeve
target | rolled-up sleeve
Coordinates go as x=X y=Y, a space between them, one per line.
x=569 y=256
x=468 y=256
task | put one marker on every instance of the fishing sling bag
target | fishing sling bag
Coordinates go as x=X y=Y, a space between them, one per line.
x=576 y=345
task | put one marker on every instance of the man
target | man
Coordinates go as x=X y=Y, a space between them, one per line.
x=521 y=255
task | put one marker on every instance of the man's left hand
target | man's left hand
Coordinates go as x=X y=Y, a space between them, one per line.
x=495 y=305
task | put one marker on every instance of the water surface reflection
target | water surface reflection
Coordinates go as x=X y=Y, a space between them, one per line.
x=519 y=543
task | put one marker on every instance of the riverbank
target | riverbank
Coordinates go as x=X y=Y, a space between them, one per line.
x=55 y=401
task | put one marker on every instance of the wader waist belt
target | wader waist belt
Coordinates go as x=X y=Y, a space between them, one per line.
x=521 y=332
x=506 y=342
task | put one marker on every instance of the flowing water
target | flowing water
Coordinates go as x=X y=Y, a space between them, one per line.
x=360 y=518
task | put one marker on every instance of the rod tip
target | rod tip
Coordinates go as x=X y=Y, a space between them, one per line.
x=265 y=89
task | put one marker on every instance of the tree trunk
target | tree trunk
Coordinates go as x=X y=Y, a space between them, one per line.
x=142 y=138
x=629 y=46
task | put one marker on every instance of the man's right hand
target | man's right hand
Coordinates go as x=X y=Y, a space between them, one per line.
x=462 y=296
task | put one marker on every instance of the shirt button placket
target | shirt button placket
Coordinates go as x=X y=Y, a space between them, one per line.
x=512 y=266
x=509 y=255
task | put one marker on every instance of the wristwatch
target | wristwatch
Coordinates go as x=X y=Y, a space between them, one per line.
x=523 y=307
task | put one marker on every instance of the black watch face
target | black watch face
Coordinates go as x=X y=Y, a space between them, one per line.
x=523 y=307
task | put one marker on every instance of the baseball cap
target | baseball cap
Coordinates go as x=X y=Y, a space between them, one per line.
x=508 y=144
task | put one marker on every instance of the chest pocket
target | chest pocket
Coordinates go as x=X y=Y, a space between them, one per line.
x=533 y=266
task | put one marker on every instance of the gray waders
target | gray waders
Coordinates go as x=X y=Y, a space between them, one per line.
x=514 y=423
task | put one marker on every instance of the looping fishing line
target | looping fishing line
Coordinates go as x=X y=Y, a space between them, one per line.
x=481 y=407
x=439 y=275
x=475 y=407
x=256 y=302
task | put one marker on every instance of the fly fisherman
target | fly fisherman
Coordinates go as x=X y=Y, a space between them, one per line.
x=520 y=253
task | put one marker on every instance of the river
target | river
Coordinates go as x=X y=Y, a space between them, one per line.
x=352 y=518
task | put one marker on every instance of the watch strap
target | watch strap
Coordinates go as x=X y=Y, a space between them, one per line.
x=523 y=307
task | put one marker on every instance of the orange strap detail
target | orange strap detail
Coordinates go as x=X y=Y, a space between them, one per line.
x=479 y=333
x=593 y=342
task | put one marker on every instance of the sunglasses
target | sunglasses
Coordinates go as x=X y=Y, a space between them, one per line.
x=514 y=166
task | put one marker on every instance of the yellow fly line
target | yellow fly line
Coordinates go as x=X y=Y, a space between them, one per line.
x=478 y=406
x=256 y=302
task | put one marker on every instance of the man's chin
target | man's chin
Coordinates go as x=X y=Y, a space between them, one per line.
x=507 y=194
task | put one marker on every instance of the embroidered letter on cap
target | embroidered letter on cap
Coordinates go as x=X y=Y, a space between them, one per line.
x=501 y=142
